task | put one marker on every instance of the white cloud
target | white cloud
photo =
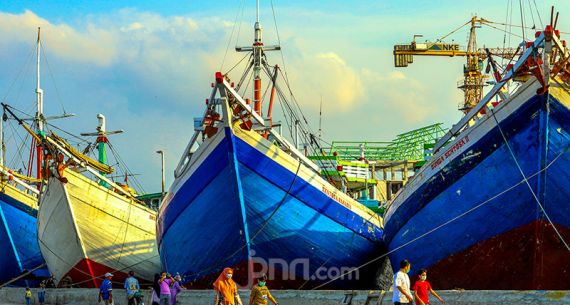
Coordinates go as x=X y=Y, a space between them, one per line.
x=325 y=75
x=149 y=74
x=91 y=45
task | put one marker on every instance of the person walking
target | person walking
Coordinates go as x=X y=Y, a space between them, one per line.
x=106 y=290
x=50 y=282
x=260 y=294
x=175 y=289
x=42 y=292
x=165 y=282
x=421 y=289
x=402 y=294
x=155 y=295
x=28 y=296
x=226 y=289
x=133 y=288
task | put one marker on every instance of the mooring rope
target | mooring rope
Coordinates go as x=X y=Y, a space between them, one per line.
x=442 y=225
x=266 y=222
x=526 y=180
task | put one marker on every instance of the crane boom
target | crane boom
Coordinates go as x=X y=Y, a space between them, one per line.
x=474 y=79
x=403 y=53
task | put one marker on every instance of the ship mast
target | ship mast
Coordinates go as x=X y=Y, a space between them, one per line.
x=257 y=52
x=102 y=141
x=39 y=112
x=258 y=49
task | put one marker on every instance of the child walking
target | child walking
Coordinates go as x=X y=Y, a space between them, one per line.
x=260 y=294
x=28 y=296
x=421 y=289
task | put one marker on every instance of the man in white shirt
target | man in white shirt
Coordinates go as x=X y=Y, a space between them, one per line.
x=402 y=294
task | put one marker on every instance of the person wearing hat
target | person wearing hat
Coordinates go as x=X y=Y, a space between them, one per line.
x=260 y=294
x=175 y=289
x=106 y=290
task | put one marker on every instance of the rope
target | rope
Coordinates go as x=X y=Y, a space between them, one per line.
x=79 y=139
x=538 y=13
x=240 y=22
x=220 y=263
x=531 y=16
x=92 y=277
x=231 y=38
x=28 y=60
x=507 y=32
x=239 y=62
x=332 y=254
x=279 y=205
x=445 y=223
x=19 y=151
x=59 y=99
x=522 y=19
x=527 y=183
x=278 y=36
x=126 y=169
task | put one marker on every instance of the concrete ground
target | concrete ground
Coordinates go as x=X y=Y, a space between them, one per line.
x=12 y=296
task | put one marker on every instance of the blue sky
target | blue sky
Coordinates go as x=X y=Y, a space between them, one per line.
x=147 y=65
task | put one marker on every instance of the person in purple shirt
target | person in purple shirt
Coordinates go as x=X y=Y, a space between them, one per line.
x=165 y=282
x=175 y=289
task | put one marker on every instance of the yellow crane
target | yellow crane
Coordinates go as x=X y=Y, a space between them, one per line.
x=474 y=80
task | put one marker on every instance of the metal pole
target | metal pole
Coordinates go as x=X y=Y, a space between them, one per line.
x=257 y=11
x=161 y=152
x=2 y=141
x=296 y=134
x=39 y=113
x=39 y=91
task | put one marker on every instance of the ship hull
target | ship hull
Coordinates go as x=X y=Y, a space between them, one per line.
x=86 y=230
x=241 y=198
x=18 y=236
x=479 y=214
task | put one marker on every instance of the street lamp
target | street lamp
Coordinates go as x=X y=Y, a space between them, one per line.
x=162 y=157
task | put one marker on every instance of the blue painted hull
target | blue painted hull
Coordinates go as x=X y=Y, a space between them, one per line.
x=221 y=211
x=18 y=236
x=477 y=225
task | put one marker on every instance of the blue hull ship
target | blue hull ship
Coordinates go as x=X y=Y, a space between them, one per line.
x=244 y=197
x=490 y=210
x=19 y=238
x=257 y=209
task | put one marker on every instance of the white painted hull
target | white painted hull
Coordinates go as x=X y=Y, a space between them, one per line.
x=86 y=230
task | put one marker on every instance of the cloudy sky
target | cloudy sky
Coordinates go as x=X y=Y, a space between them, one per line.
x=148 y=65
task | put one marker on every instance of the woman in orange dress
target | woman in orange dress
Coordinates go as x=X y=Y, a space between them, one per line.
x=226 y=289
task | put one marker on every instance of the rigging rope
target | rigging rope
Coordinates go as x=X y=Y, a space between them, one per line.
x=522 y=19
x=231 y=38
x=125 y=167
x=538 y=13
x=59 y=99
x=279 y=205
x=443 y=224
x=526 y=180
x=28 y=60
x=532 y=16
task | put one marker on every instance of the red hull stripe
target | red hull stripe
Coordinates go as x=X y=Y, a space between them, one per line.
x=89 y=274
x=530 y=257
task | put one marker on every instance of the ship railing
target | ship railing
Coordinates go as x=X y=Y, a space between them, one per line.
x=464 y=122
x=18 y=181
